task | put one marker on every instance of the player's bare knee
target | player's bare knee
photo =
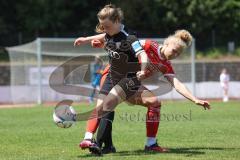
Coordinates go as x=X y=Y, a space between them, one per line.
x=153 y=101
x=155 y=107
x=158 y=103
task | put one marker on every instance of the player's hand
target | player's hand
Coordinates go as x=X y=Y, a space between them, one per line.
x=80 y=41
x=142 y=74
x=204 y=104
x=97 y=43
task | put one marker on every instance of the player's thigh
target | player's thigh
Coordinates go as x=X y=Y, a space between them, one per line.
x=122 y=90
x=115 y=97
x=144 y=97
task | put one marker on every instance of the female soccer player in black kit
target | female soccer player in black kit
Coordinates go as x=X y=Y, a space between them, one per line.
x=121 y=79
x=121 y=83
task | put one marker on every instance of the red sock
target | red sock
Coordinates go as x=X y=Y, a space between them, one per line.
x=92 y=125
x=152 y=120
x=93 y=122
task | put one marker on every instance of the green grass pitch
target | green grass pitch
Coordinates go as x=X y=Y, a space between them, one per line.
x=186 y=129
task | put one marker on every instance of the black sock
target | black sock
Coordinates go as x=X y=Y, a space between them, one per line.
x=104 y=134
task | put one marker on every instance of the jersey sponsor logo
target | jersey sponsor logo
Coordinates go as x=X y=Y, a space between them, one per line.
x=136 y=46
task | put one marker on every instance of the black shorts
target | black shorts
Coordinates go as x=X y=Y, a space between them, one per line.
x=130 y=85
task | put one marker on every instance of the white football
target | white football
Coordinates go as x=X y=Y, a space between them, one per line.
x=64 y=116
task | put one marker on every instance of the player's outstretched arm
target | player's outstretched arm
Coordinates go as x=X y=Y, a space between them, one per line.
x=85 y=40
x=181 y=88
x=143 y=59
x=96 y=43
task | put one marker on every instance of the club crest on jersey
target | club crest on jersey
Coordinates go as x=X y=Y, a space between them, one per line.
x=131 y=83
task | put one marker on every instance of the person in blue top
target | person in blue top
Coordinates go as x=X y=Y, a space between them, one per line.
x=96 y=74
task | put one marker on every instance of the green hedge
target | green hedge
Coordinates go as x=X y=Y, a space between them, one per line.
x=215 y=53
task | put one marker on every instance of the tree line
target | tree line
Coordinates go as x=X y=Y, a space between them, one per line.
x=212 y=22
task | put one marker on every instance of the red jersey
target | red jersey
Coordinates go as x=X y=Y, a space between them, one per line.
x=152 y=48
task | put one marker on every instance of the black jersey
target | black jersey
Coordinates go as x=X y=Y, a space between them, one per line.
x=123 y=49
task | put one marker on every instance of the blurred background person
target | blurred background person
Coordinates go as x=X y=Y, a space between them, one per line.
x=96 y=74
x=224 y=82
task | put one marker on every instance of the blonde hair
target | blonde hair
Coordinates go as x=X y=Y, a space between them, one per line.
x=181 y=37
x=111 y=12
